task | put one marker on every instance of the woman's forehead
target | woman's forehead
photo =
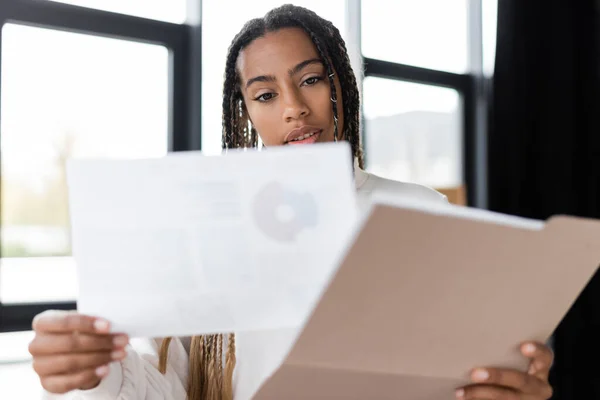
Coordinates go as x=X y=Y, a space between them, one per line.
x=276 y=52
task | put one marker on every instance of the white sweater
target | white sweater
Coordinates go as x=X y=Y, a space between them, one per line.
x=137 y=376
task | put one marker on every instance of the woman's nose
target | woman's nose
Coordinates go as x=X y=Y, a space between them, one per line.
x=295 y=107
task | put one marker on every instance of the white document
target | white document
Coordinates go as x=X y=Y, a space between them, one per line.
x=189 y=244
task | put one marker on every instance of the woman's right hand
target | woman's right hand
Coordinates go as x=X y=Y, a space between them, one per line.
x=72 y=351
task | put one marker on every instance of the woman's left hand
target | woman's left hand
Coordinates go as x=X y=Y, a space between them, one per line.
x=506 y=384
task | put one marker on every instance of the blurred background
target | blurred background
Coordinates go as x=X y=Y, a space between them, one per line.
x=493 y=102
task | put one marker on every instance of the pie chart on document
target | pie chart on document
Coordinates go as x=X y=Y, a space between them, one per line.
x=282 y=213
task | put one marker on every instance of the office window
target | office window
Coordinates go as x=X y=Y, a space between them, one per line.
x=66 y=95
x=413 y=132
x=162 y=10
x=425 y=33
x=219 y=26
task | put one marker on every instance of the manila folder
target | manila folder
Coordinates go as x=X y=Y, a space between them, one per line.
x=423 y=294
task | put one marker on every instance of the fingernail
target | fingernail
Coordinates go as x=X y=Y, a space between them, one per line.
x=101 y=325
x=529 y=348
x=117 y=355
x=460 y=393
x=120 y=341
x=480 y=375
x=102 y=371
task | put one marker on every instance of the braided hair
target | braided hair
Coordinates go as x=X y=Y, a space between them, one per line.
x=208 y=378
x=237 y=129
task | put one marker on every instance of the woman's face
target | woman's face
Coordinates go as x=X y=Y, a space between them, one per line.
x=286 y=89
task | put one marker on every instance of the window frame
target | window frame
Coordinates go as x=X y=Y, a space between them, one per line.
x=472 y=88
x=182 y=42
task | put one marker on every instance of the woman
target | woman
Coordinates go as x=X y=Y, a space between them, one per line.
x=288 y=81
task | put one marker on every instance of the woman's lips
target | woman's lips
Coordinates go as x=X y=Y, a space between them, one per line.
x=309 y=140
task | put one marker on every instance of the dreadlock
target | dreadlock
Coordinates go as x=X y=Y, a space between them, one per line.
x=208 y=379
x=237 y=129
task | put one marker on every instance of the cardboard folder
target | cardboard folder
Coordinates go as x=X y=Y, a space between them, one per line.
x=423 y=295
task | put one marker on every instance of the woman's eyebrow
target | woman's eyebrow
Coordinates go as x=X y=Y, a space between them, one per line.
x=271 y=78
x=303 y=65
x=261 y=78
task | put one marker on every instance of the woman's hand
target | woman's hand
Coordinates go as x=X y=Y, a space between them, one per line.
x=505 y=384
x=72 y=351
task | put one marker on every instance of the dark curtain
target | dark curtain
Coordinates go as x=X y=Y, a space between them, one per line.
x=544 y=149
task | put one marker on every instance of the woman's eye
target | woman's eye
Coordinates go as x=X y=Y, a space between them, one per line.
x=312 y=81
x=265 y=97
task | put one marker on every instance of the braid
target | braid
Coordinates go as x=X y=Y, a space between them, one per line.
x=197 y=369
x=164 y=350
x=236 y=132
x=219 y=362
x=229 y=108
x=211 y=390
x=351 y=98
x=350 y=94
x=229 y=367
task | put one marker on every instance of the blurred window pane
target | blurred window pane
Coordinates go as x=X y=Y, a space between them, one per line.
x=413 y=132
x=424 y=33
x=66 y=95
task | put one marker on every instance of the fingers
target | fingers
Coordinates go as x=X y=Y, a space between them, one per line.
x=72 y=351
x=486 y=392
x=490 y=392
x=541 y=359
x=72 y=363
x=86 y=379
x=503 y=382
x=504 y=377
x=53 y=343
x=66 y=321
